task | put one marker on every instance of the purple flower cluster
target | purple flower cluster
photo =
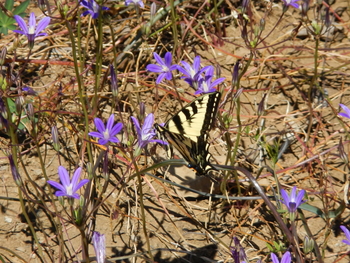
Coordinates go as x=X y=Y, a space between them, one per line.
x=145 y=134
x=198 y=78
x=92 y=8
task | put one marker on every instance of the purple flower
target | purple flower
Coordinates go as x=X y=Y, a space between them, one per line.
x=347 y=234
x=108 y=133
x=135 y=2
x=237 y=252
x=68 y=188
x=291 y=3
x=164 y=67
x=99 y=242
x=347 y=111
x=192 y=73
x=147 y=132
x=33 y=30
x=286 y=258
x=205 y=84
x=29 y=91
x=293 y=201
x=14 y=171
x=92 y=8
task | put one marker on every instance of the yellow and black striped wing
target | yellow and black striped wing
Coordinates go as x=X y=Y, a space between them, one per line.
x=188 y=131
x=196 y=118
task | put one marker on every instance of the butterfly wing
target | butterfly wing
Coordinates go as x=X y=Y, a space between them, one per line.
x=196 y=118
x=196 y=153
x=188 y=131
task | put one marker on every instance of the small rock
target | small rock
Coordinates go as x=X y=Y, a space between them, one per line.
x=8 y=219
x=21 y=249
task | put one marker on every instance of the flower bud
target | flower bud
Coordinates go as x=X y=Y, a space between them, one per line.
x=105 y=166
x=41 y=4
x=3 y=55
x=153 y=12
x=142 y=110
x=114 y=82
x=245 y=4
x=235 y=74
x=305 y=7
x=327 y=19
x=78 y=215
x=28 y=91
x=316 y=27
x=3 y=110
x=14 y=171
x=3 y=83
x=238 y=93
x=261 y=106
x=54 y=134
x=19 y=102
x=90 y=171
x=30 y=112
x=342 y=153
x=262 y=24
x=309 y=244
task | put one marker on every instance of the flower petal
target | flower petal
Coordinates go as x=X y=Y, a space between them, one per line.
x=99 y=125
x=76 y=177
x=64 y=176
x=110 y=123
x=21 y=23
x=57 y=185
x=154 y=68
x=80 y=184
x=168 y=58
x=137 y=125
x=285 y=197
x=96 y=134
x=274 y=258
x=42 y=25
x=286 y=258
x=32 y=21
x=116 y=129
x=159 y=60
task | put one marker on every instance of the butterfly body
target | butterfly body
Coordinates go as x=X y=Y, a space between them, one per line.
x=188 y=131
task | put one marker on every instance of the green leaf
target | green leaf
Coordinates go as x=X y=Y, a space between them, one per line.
x=21 y=8
x=2 y=16
x=9 y=4
x=11 y=27
x=3 y=30
x=312 y=209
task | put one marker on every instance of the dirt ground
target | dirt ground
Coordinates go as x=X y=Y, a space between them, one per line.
x=184 y=226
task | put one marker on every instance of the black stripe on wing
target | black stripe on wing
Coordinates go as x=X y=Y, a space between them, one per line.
x=188 y=131
x=196 y=118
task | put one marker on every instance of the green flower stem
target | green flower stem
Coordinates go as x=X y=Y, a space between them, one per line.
x=82 y=93
x=239 y=129
x=30 y=225
x=98 y=62
x=142 y=206
x=174 y=24
x=85 y=251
